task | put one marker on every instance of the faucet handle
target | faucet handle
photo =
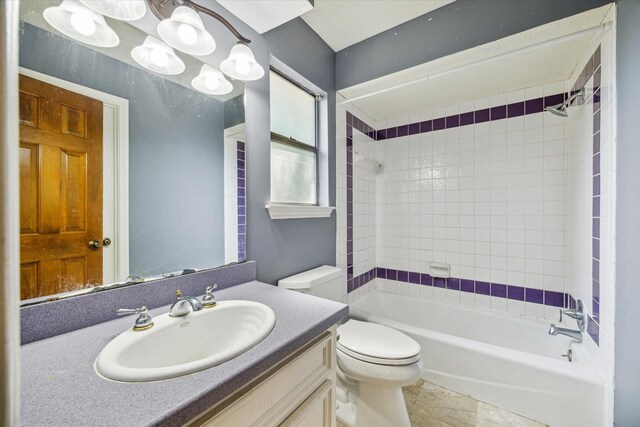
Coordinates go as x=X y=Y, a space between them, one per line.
x=209 y=301
x=577 y=313
x=143 y=322
x=574 y=314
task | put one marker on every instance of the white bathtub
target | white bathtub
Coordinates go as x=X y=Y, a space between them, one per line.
x=496 y=358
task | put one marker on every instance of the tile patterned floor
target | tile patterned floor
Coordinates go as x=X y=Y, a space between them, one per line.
x=432 y=406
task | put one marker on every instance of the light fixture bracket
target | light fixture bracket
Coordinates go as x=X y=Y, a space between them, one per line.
x=163 y=9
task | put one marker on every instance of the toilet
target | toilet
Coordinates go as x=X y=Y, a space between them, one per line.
x=374 y=361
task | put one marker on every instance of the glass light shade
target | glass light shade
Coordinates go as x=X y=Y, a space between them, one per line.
x=77 y=21
x=241 y=64
x=184 y=31
x=211 y=81
x=156 y=56
x=125 y=10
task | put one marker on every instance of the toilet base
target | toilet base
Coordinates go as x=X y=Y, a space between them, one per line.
x=381 y=406
x=374 y=405
x=346 y=413
x=371 y=405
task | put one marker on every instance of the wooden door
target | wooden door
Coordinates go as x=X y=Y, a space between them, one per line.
x=60 y=189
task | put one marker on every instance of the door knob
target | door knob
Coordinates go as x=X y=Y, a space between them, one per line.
x=94 y=244
x=106 y=241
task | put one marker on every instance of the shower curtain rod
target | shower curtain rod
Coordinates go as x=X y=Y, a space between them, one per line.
x=602 y=27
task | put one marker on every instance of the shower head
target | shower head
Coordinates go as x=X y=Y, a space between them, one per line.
x=558 y=110
x=374 y=165
x=561 y=109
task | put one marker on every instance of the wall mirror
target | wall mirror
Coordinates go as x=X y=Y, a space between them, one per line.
x=126 y=175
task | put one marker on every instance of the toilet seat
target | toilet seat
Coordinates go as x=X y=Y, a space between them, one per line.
x=378 y=344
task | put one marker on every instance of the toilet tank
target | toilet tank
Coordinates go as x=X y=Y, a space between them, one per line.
x=323 y=282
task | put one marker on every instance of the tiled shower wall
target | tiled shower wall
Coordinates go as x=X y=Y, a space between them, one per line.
x=485 y=198
x=478 y=186
x=590 y=220
x=519 y=202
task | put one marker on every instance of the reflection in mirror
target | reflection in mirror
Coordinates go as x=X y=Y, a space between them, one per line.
x=125 y=175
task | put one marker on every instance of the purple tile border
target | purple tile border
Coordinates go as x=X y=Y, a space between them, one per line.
x=592 y=68
x=242 y=218
x=519 y=293
x=352 y=122
x=361 y=280
x=499 y=112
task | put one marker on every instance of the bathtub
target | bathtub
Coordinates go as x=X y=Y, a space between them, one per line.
x=496 y=358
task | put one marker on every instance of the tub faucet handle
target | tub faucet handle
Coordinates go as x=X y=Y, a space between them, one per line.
x=576 y=313
x=573 y=313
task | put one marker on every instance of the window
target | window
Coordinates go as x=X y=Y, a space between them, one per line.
x=294 y=142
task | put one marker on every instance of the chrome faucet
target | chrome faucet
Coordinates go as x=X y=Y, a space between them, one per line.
x=183 y=305
x=578 y=314
x=571 y=333
x=143 y=322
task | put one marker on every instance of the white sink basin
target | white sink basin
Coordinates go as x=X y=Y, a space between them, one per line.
x=177 y=346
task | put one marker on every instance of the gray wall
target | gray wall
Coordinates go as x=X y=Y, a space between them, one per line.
x=285 y=247
x=234 y=111
x=453 y=28
x=176 y=215
x=281 y=247
x=627 y=337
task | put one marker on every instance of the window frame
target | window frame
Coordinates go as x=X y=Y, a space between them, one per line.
x=288 y=140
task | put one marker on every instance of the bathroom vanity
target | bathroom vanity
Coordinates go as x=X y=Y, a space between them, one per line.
x=300 y=391
x=286 y=379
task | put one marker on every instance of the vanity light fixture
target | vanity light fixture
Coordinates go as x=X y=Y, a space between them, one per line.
x=75 y=20
x=241 y=64
x=185 y=31
x=180 y=23
x=156 y=56
x=180 y=27
x=129 y=10
x=211 y=81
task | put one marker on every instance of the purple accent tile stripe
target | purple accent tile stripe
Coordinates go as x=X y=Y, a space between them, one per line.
x=353 y=122
x=518 y=293
x=498 y=112
x=515 y=292
x=592 y=67
x=498 y=290
x=241 y=198
x=361 y=280
x=467 y=285
x=483 y=288
x=594 y=330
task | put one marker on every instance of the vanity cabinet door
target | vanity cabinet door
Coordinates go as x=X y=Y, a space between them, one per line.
x=298 y=392
x=317 y=411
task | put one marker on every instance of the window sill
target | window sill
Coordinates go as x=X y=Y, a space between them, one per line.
x=284 y=211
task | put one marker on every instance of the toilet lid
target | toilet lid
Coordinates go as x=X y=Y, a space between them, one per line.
x=372 y=342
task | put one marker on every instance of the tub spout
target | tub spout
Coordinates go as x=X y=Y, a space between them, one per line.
x=571 y=333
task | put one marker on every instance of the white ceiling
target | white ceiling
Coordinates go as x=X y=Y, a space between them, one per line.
x=342 y=23
x=264 y=15
x=540 y=66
